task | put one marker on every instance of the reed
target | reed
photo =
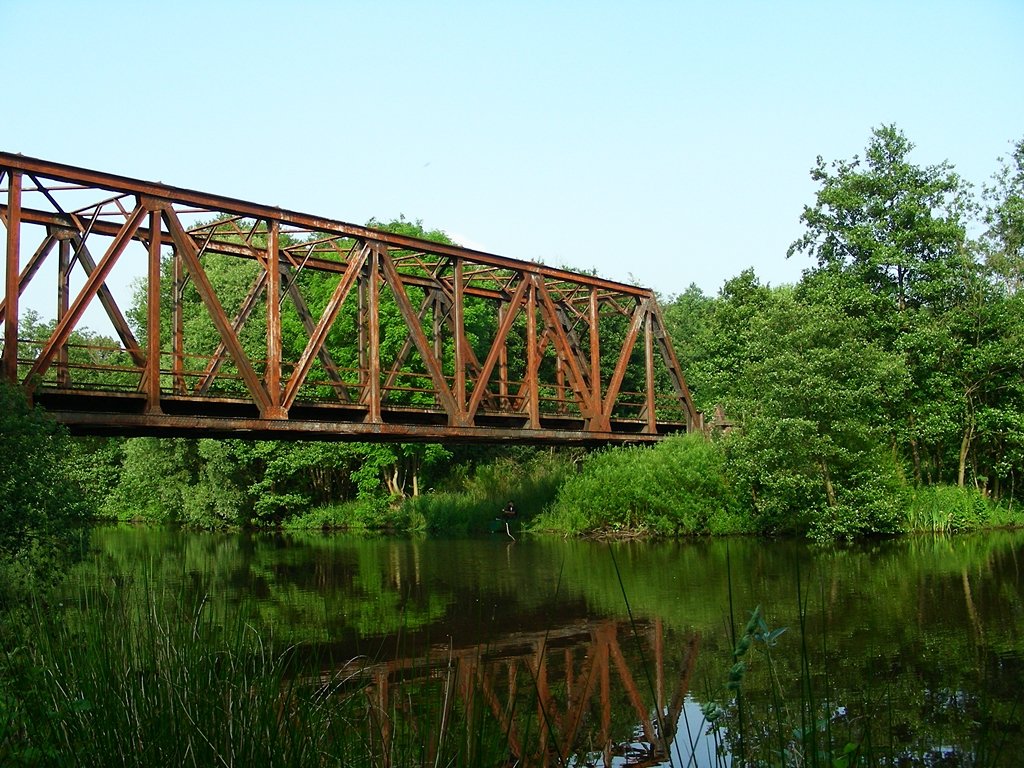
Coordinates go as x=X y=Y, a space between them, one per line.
x=950 y=509
x=111 y=682
x=771 y=716
x=132 y=675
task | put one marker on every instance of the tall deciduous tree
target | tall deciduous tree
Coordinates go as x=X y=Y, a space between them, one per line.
x=889 y=240
x=899 y=226
x=1004 y=217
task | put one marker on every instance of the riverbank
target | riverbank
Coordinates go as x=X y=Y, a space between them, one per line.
x=679 y=488
x=684 y=486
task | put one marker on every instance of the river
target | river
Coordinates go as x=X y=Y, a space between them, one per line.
x=585 y=652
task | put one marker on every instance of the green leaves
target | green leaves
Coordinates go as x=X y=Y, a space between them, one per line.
x=678 y=487
x=40 y=505
x=898 y=225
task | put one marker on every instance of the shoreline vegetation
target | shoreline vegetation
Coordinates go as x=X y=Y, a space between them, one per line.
x=680 y=487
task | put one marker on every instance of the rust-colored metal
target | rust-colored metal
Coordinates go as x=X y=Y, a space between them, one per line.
x=12 y=220
x=178 y=328
x=575 y=673
x=153 y=315
x=97 y=276
x=63 y=302
x=487 y=348
x=272 y=376
x=373 y=415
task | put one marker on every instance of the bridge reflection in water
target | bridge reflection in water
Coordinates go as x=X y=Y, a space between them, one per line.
x=592 y=692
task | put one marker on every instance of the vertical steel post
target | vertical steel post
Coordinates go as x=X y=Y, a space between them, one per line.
x=373 y=301
x=63 y=302
x=10 y=359
x=361 y=326
x=178 y=323
x=458 y=311
x=532 y=363
x=503 y=361
x=595 y=351
x=153 y=315
x=272 y=373
x=652 y=422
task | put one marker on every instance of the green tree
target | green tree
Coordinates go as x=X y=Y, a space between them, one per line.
x=1004 y=218
x=40 y=506
x=810 y=452
x=889 y=240
x=898 y=226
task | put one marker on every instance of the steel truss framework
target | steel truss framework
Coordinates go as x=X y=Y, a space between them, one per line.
x=492 y=348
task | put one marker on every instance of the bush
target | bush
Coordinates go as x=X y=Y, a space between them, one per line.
x=677 y=487
x=41 y=511
x=367 y=514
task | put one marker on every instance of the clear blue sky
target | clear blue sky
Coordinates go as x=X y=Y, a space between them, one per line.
x=663 y=142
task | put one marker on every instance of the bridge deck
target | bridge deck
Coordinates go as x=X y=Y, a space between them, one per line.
x=124 y=414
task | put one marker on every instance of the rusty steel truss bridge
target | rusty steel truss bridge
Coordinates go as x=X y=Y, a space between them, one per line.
x=268 y=323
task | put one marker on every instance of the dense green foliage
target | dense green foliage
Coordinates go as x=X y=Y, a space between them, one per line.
x=41 y=506
x=893 y=365
x=679 y=487
x=469 y=501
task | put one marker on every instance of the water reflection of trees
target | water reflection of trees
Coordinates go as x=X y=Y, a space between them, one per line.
x=587 y=693
x=920 y=641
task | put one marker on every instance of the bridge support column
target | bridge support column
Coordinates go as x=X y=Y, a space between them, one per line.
x=63 y=302
x=373 y=321
x=458 y=320
x=10 y=358
x=502 y=362
x=532 y=358
x=272 y=373
x=652 y=422
x=153 y=315
x=178 y=329
x=594 y=323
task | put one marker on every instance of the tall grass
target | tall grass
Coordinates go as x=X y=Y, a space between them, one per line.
x=472 y=504
x=119 y=680
x=117 y=683
x=951 y=509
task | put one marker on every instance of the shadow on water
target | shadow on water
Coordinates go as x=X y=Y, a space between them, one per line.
x=550 y=653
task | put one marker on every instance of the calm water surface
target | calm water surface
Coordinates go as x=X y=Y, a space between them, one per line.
x=585 y=652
